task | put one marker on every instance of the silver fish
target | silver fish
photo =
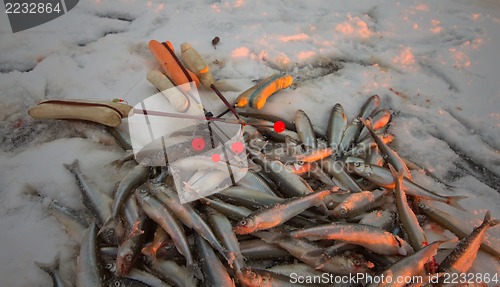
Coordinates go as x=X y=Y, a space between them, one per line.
x=215 y=273
x=464 y=254
x=112 y=230
x=93 y=198
x=90 y=268
x=349 y=136
x=186 y=214
x=279 y=213
x=369 y=107
x=305 y=130
x=373 y=238
x=416 y=235
x=336 y=126
x=409 y=266
x=159 y=213
x=383 y=177
x=358 y=203
x=453 y=220
x=224 y=230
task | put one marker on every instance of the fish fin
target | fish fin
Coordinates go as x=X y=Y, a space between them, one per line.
x=490 y=222
x=453 y=201
x=50 y=267
x=75 y=165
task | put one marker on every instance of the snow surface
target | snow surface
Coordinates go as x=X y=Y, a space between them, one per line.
x=434 y=63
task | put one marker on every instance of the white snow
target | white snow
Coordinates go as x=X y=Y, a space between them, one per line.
x=434 y=63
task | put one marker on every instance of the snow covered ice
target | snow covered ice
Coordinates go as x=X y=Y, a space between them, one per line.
x=434 y=63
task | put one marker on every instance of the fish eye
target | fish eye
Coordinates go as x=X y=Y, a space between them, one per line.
x=110 y=232
x=357 y=164
x=243 y=222
x=109 y=266
x=421 y=205
x=117 y=284
x=343 y=211
x=357 y=262
x=128 y=257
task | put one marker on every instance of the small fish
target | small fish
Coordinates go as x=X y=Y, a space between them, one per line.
x=290 y=184
x=464 y=254
x=215 y=273
x=453 y=221
x=130 y=247
x=122 y=138
x=407 y=217
x=305 y=130
x=186 y=214
x=358 y=203
x=369 y=107
x=383 y=177
x=224 y=231
x=159 y=213
x=93 y=198
x=112 y=230
x=349 y=136
x=336 y=126
x=390 y=156
x=409 y=266
x=75 y=223
x=52 y=269
x=279 y=213
x=373 y=238
x=302 y=250
x=90 y=269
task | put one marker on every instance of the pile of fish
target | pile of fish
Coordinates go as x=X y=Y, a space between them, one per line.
x=311 y=204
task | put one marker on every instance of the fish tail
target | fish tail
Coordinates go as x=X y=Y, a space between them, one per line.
x=50 y=267
x=398 y=175
x=75 y=165
x=490 y=222
x=454 y=201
